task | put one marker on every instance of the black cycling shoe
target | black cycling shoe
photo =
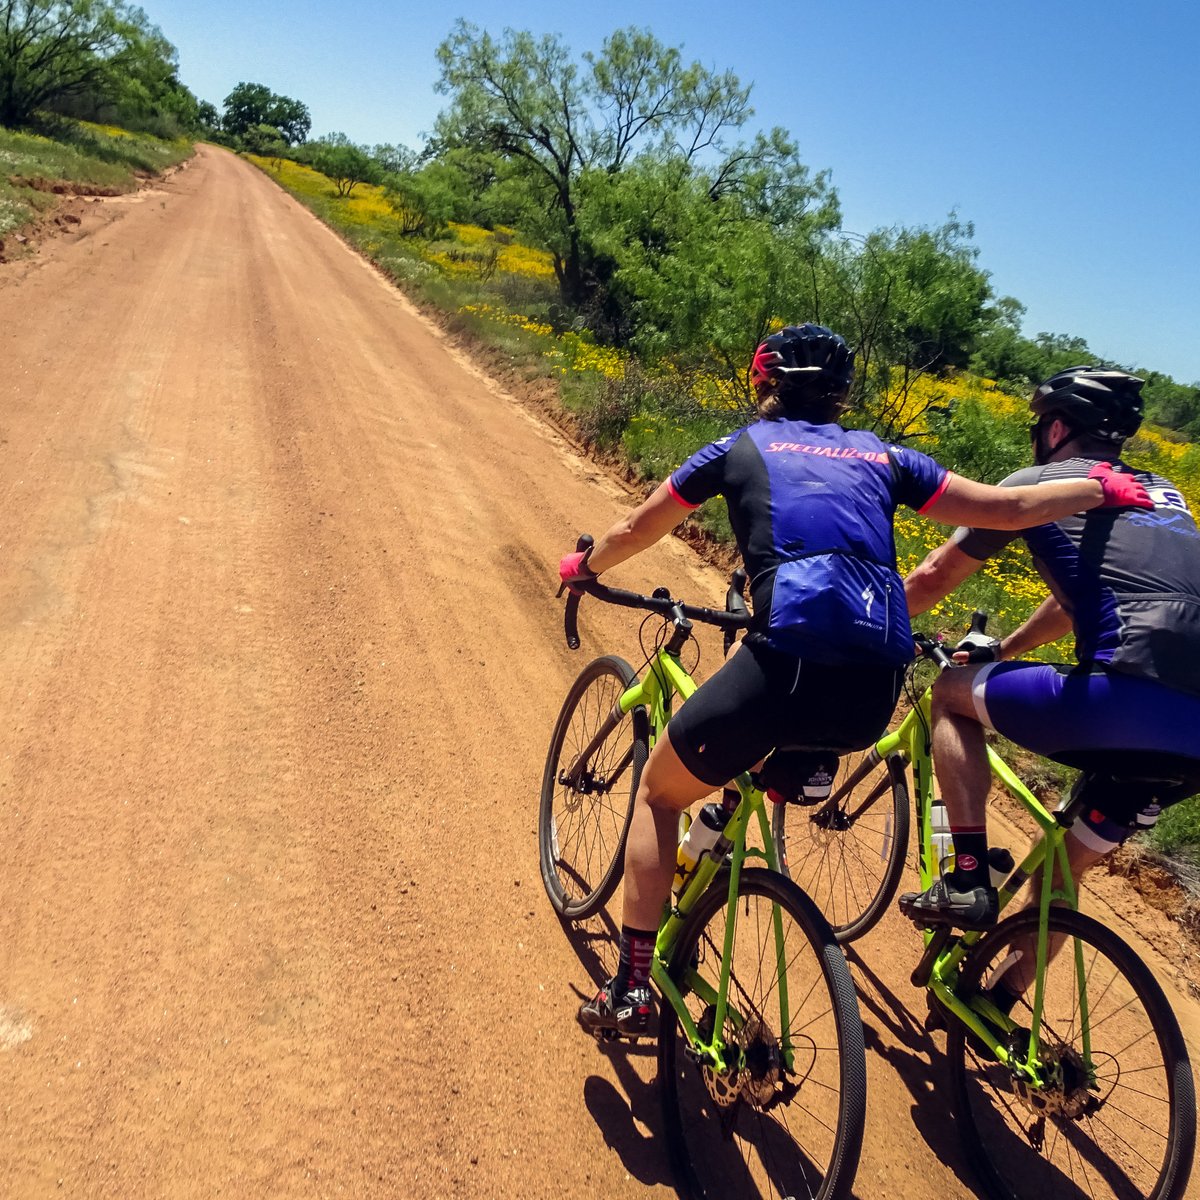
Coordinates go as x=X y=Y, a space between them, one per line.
x=948 y=904
x=627 y=1015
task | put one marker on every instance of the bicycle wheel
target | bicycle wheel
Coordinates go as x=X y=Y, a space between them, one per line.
x=591 y=777
x=1127 y=1127
x=847 y=853
x=788 y=1120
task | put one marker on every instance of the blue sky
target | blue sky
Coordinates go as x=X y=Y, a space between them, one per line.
x=1068 y=132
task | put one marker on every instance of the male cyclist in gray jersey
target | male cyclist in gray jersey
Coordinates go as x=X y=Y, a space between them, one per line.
x=1127 y=581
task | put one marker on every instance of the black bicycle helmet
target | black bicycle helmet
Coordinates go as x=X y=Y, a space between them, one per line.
x=809 y=353
x=1101 y=403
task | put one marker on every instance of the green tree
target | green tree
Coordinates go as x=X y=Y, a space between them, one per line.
x=344 y=163
x=264 y=140
x=55 y=52
x=245 y=107
x=423 y=200
x=252 y=104
x=395 y=159
x=1175 y=405
x=912 y=302
x=291 y=118
x=529 y=102
x=207 y=116
x=704 y=261
x=979 y=442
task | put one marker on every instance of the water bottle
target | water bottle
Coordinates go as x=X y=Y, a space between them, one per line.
x=1000 y=865
x=702 y=835
x=941 y=838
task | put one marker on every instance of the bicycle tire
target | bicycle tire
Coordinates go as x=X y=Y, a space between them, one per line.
x=582 y=830
x=847 y=854
x=770 y=1145
x=1139 y=1058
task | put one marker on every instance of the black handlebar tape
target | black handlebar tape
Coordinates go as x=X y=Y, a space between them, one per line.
x=934 y=651
x=585 y=541
x=571 y=621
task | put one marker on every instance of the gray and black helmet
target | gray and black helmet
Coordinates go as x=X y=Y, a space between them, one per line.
x=1099 y=402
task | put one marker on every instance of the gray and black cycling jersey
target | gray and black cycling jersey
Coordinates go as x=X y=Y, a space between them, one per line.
x=1129 y=578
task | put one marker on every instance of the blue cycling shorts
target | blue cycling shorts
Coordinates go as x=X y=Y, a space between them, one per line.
x=1096 y=719
x=1053 y=710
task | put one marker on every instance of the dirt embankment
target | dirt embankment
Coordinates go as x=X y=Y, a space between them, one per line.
x=80 y=209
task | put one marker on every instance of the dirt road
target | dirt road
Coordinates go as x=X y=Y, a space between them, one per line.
x=279 y=655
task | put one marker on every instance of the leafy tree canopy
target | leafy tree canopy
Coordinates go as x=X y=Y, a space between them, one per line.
x=253 y=104
x=59 y=53
x=346 y=164
x=555 y=119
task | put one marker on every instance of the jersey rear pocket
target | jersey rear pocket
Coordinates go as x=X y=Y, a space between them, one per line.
x=1160 y=639
x=837 y=608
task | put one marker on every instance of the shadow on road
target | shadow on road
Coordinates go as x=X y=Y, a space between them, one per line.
x=595 y=944
x=631 y=1122
x=914 y=1056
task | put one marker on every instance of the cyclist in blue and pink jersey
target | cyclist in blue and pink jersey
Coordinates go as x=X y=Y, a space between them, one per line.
x=811 y=505
x=1128 y=713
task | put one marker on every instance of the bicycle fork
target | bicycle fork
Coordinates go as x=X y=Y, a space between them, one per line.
x=707 y=1046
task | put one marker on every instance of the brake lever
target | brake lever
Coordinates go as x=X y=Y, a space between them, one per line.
x=735 y=602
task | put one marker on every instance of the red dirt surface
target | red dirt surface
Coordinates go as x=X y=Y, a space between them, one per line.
x=280 y=658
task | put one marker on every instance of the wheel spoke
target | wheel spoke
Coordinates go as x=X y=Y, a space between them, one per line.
x=590 y=815
x=848 y=853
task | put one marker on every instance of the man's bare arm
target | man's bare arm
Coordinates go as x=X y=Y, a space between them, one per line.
x=937 y=576
x=1047 y=623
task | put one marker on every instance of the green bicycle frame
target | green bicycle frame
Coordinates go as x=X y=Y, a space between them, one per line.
x=911 y=739
x=654 y=691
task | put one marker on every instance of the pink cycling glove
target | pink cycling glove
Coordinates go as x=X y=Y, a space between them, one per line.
x=573 y=567
x=1120 y=490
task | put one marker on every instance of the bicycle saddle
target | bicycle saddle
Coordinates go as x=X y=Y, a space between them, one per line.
x=1124 y=782
x=798 y=774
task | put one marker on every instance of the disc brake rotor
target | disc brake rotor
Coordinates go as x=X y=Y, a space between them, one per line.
x=758 y=1076
x=1067 y=1093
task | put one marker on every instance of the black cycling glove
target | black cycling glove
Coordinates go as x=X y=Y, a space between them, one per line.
x=977 y=645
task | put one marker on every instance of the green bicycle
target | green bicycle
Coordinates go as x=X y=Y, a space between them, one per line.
x=1078 y=1084
x=761 y=1058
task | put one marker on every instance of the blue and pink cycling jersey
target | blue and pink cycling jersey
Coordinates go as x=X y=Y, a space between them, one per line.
x=811 y=507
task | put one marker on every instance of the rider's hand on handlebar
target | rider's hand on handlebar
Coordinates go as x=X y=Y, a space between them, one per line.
x=977 y=647
x=1120 y=490
x=573 y=568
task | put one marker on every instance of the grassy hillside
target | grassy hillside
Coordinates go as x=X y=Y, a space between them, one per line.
x=75 y=158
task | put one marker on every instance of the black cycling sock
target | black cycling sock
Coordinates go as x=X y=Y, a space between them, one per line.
x=637 y=953
x=970 y=856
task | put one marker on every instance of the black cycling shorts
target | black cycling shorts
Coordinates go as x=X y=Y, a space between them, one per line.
x=762 y=698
